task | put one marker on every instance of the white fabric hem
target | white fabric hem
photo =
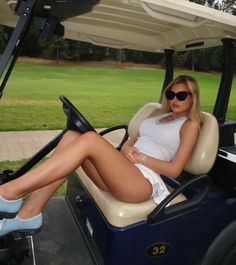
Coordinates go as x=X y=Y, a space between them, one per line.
x=159 y=189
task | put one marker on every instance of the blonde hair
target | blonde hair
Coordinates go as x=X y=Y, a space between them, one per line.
x=192 y=85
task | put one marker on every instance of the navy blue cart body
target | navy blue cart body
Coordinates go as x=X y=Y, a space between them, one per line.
x=180 y=239
x=197 y=231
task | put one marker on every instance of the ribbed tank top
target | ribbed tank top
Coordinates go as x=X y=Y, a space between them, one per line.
x=159 y=139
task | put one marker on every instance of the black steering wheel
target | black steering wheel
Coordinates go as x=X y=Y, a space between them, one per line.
x=75 y=120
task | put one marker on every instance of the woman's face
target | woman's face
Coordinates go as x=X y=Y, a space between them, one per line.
x=178 y=106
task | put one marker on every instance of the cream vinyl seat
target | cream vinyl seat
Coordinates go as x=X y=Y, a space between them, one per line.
x=121 y=214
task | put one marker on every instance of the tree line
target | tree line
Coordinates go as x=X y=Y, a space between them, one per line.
x=64 y=49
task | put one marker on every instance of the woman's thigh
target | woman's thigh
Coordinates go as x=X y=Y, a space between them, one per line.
x=120 y=176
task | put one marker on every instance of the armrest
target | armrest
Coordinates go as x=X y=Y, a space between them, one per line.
x=114 y=128
x=163 y=211
x=173 y=183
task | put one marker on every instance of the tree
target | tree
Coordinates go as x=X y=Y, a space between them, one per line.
x=3 y=38
x=56 y=48
x=97 y=52
x=228 y=6
x=120 y=55
x=31 y=46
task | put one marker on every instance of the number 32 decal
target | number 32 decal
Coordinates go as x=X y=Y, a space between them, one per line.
x=158 y=249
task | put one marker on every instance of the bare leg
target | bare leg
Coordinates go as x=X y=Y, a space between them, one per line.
x=38 y=198
x=121 y=177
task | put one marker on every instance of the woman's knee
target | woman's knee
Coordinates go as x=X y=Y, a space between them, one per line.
x=71 y=135
x=91 y=141
x=91 y=136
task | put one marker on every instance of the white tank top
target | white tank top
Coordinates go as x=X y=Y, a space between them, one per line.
x=159 y=140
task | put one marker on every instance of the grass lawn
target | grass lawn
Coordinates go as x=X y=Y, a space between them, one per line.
x=106 y=95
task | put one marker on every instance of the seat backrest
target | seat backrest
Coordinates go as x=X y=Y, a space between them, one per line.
x=205 y=151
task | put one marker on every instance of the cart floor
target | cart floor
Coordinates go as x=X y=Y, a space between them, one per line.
x=60 y=241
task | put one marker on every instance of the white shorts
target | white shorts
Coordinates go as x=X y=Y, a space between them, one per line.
x=159 y=189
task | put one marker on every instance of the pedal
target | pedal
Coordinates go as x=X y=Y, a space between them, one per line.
x=17 y=251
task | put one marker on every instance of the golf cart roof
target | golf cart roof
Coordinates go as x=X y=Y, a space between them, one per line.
x=150 y=25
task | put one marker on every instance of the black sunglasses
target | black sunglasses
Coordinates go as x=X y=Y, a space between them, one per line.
x=181 y=95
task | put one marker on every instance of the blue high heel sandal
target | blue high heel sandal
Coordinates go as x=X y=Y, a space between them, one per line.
x=9 y=208
x=20 y=226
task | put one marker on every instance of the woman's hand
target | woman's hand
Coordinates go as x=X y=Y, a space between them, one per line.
x=140 y=157
x=132 y=154
x=129 y=152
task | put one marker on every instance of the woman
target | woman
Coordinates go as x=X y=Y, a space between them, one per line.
x=161 y=147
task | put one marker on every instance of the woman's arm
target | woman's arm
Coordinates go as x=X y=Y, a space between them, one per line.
x=188 y=138
x=131 y=141
x=128 y=150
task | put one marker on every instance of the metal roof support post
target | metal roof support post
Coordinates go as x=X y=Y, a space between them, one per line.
x=25 y=11
x=169 y=68
x=223 y=95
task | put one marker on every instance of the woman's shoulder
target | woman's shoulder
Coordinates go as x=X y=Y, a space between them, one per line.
x=189 y=131
x=191 y=125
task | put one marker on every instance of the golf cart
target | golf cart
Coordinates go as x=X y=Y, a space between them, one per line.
x=196 y=223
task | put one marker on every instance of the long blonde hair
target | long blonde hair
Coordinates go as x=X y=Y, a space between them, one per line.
x=192 y=85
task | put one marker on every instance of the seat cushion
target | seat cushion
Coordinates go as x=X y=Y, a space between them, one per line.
x=121 y=214
x=205 y=151
x=116 y=212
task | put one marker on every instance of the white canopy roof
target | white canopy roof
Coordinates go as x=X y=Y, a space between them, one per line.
x=148 y=25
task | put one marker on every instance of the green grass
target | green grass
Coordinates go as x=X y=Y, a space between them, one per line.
x=105 y=95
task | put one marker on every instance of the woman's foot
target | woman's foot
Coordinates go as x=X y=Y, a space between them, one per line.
x=9 y=208
x=21 y=226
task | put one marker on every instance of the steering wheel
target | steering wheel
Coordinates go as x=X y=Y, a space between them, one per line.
x=75 y=120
